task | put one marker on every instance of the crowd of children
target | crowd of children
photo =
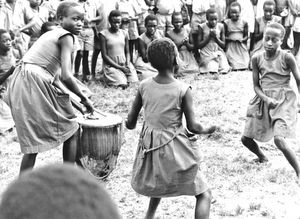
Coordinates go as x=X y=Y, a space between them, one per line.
x=150 y=41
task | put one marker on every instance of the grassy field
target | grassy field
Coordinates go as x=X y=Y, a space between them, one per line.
x=242 y=188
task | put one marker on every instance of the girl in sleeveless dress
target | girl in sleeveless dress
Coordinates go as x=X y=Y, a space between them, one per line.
x=142 y=65
x=236 y=33
x=184 y=42
x=43 y=114
x=273 y=111
x=167 y=162
x=212 y=45
x=117 y=68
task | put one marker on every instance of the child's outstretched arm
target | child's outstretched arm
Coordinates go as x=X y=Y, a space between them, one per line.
x=134 y=112
x=257 y=88
x=291 y=62
x=191 y=123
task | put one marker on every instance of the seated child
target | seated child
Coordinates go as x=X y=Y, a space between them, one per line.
x=57 y=191
x=212 y=44
x=142 y=65
x=184 y=42
x=236 y=33
x=260 y=25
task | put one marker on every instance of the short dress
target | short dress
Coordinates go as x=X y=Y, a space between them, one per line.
x=115 y=46
x=263 y=122
x=236 y=52
x=167 y=163
x=187 y=62
x=212 y=57
x=43 y=114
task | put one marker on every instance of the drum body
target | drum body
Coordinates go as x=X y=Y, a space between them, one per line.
x=100 y=143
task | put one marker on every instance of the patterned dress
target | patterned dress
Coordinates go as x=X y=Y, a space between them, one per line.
x=236 y=52
x=167 y=162
x=264 y=122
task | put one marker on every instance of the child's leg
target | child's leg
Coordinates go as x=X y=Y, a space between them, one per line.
x=296 y=43
x=85 y=65
x=288 y=153
x=152 y=207
x=253 y=147
x=202 y=208
x=77 y=62
x=70 y=148
x=28 y=162
x=94 y=61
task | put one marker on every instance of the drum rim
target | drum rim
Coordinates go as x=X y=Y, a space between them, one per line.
x=100 y=126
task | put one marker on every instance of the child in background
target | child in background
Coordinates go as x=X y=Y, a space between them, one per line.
x=142 y=65
x=184 y=42
x=282 y=10
x=295 y=11
x=236 y=33
x=10 y=53
x=273 y=111
x=212 y=44
x=260 y=24
x=42 y=112
x=167 y=162
x=117 y=68
x=57 y=191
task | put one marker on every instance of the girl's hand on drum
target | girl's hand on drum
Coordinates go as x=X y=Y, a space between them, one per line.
x=88 y=104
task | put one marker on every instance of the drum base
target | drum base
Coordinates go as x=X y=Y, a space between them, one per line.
x=100 y=169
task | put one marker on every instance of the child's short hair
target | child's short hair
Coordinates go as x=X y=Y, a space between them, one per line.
x=64 y=7
x=114 y=13
x=175 y=14
x=57 y=191
x=234 y=4
x=277 y=26
x=269 y=3
x=2 y=31
x=209 y=12
x=150 y=17
x=162 y=53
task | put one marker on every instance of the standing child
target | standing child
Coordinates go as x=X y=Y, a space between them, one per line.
x=260 y=25
x=184 y=42
x=167 y=163
x=9 y=54
x=236 y=33
x=117 y=68
x=212 y=45
x=142 y=65
x=43 y=114
x=273 y=111
x=295 y=12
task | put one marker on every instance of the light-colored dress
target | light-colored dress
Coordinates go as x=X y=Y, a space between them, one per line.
x=115 y=46
x=6 y=120
x=236 y=52
x=262 y=23
x=167 y=162
x=212 y=56
x=145 y=69
x=262 y=122
x=42 y=113
x=187 y=62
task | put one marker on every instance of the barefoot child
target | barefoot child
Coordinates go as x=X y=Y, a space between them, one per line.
x=236 y=33
x=167 y=163
x=212 y=44
x=184 y=42
x=273 y=111
x=43 y=114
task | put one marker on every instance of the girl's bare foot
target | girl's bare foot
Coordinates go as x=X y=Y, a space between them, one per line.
x=261 y=160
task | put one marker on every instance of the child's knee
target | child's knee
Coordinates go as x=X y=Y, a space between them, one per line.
x=280 y=142
x=245 y=140
x=207 y=195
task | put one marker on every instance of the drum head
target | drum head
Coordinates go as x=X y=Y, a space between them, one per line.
x=99 y=120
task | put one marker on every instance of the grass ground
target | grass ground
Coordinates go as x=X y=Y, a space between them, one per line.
x=242 y=188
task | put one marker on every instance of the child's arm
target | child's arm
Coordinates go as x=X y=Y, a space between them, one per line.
x=291 y=63
x=257 y=88
x=126 y=49
x=66 y=45
x=179 y=44
x=134 y=112
x=245 y=33
x=191 y=123
x=202 y=41
x=189 y=43
x=142 y=48
x=220 y=41
x=258 y=35
x=107 y=59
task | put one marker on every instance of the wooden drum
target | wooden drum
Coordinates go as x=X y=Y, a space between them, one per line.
x=100 y=143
